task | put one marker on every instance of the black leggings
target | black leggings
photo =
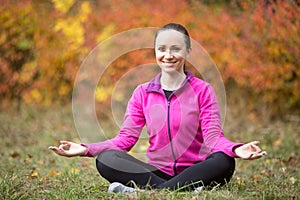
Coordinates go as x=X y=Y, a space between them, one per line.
x=118 y=166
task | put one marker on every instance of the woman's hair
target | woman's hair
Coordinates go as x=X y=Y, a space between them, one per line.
x=179 y=28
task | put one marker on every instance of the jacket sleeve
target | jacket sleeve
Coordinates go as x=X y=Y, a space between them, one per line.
x=210 y=122
x=130 y=130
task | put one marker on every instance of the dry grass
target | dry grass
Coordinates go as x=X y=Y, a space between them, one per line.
x=30 y=171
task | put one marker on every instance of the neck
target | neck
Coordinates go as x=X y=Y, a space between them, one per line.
x=172 y=81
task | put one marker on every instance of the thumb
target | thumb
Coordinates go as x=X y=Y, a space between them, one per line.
x=255 y=142
x=64 y=142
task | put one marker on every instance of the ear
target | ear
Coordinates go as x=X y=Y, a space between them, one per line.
x=188 y=52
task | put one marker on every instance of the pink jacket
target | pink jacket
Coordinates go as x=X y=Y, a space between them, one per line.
x=183 y=130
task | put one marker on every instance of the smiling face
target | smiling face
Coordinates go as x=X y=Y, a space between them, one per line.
x=170 y=50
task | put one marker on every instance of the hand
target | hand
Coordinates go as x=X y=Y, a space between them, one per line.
x=69 y=149
x=250 y=151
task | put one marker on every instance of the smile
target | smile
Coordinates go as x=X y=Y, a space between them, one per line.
x=168 y=62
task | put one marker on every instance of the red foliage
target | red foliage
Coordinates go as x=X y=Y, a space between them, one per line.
x=256 y=44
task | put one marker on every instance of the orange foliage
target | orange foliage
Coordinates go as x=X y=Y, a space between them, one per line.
x=256 y=44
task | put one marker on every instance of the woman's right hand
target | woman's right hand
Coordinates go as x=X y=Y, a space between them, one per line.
x=69 y=149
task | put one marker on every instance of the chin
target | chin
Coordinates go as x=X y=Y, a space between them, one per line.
x=170 y=70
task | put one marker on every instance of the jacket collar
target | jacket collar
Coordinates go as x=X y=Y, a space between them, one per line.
x=155 y=86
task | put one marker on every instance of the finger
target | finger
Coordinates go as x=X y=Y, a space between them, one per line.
x=251 y=156
x=255 y=142
x=248 y=157
x=256 y=148
x=51 y=148
x=58 y=151
x=257 y=155
x=263 y=153
x=65 y=142
x=64 y=146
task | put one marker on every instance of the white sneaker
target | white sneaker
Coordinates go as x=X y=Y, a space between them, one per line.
x=198 y=190
x=120 y=188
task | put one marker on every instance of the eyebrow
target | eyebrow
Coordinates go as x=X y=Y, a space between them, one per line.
x=175 y=45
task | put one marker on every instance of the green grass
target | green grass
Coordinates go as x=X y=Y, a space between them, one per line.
x=28 y=170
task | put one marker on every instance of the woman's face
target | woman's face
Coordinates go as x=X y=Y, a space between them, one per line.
x=170 y=50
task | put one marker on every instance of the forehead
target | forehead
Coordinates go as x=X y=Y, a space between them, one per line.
x=170 y=37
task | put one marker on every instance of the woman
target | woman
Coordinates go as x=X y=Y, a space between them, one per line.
x=187 y=148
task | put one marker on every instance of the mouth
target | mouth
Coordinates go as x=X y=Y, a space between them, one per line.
x=169 y=63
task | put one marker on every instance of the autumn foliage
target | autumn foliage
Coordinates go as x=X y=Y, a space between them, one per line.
x=255 y=44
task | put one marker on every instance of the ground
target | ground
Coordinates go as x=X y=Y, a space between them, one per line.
x=28 y=170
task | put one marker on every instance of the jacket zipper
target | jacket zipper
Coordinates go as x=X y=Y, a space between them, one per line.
x=170 y=138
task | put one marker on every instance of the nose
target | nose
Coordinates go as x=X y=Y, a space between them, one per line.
x=169 y=54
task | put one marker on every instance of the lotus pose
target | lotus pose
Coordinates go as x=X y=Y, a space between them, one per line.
x=187 y=147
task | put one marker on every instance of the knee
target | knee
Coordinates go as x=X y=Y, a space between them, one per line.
x=226 y=163
x=105 y=164
x=102 y=160
x=222 y=168
x=224 y=158
x=228 y=166
x=105 y=155
x=106 y=159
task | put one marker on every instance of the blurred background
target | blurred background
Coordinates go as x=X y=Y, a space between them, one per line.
x=255 y=45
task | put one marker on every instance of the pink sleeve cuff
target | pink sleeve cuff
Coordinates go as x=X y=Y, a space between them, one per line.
x=86 y=153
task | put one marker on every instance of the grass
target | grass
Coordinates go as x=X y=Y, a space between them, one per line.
x=28 y=170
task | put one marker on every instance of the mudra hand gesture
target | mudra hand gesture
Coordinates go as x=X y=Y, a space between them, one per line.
x=69 y=149
x=250 y=151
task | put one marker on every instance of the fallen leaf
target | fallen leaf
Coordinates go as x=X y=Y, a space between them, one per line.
x=33 y=175
x=267 y=161
x=43 y=178
x=277 y=143
x=283 y=169
x=239 y=181
x=85 y=163
x=74 y=170
x=14 y=154
x=256 y=178
x=54 y=173
x=293 y=180
x=291 y=161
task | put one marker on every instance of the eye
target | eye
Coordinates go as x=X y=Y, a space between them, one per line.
x=161 y=49
x=175 y=49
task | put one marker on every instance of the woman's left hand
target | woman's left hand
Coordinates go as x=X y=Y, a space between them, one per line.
x=250 y=151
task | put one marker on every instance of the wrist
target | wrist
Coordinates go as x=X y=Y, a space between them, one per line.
x=84 y=151
x=235 y=148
